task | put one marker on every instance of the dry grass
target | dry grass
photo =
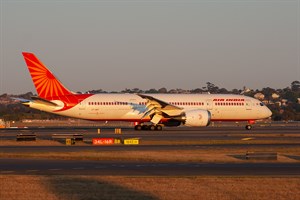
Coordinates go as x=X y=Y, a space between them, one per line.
x=253 y=140
x=146 y=156
x=120 y=187
x=214 y=155
x=30 y=143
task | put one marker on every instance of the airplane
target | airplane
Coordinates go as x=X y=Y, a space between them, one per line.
x=158 y=110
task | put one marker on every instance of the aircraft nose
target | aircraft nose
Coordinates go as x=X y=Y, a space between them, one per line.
x=268 y=112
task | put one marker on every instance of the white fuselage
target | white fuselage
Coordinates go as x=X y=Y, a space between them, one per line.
x=131 y=107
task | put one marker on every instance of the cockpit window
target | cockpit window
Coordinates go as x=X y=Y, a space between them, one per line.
x=261 y=104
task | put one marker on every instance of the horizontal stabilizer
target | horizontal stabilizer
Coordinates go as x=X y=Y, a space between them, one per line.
x=43 y=101
x=21 y=99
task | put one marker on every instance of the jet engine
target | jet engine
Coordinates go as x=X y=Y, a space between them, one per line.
x=196 y=118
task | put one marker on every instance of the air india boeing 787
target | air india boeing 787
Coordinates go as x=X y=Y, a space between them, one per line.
x=155 y=109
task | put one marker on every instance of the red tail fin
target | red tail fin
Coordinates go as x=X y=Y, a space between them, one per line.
x=46 y=84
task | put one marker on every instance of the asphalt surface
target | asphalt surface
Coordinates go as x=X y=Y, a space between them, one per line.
x=289 y=134
x=170 y=134
x=57 y=149
x=281 y=136
x=83 y=167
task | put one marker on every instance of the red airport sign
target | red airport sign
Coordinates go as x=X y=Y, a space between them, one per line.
x=103 y=141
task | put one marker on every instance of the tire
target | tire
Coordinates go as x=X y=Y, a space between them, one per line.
x=144 y=127
x=248 y=127
x=151 y=127
x=158 y=127
x=138 y=127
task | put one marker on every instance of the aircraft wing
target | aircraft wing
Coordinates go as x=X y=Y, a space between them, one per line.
x=157 y=109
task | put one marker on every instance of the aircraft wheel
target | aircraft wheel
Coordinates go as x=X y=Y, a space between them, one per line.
x=152 y=127
x=248 y=127
x=144 y=127
x=158 y=127
x=138 y=127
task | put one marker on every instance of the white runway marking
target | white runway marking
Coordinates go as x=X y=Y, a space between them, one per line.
x=245 y=139
x=54 y=169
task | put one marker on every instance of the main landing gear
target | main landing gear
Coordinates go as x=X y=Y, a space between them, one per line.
x=152 y=127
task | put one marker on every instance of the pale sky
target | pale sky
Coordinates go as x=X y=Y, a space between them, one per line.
x=118 y=44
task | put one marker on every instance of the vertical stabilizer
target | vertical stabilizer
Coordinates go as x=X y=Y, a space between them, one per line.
x=46 y=84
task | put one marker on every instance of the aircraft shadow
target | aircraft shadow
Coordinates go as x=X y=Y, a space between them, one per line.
x=83 y=188
x=293 y=157
x=239 y=156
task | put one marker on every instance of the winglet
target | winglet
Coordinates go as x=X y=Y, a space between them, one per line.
x=46 y=84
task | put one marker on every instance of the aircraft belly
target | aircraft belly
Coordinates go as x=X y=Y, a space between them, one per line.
x=102 y=114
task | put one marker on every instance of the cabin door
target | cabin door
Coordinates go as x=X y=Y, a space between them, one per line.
x=248 y=104
x=209 y=104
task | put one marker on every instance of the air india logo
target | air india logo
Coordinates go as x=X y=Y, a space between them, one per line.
x=45 y=82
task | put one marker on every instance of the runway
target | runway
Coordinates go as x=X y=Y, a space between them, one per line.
x=84 y=167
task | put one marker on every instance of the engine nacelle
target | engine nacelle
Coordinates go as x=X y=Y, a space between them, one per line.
x=196 y=118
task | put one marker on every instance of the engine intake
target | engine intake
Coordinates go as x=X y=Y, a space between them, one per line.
x=196 y=118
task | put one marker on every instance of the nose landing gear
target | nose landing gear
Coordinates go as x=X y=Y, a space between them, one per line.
x=249 y=125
